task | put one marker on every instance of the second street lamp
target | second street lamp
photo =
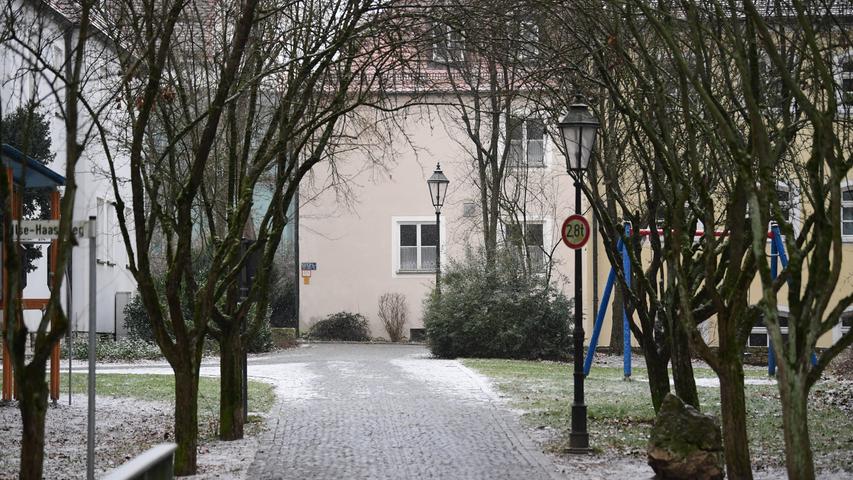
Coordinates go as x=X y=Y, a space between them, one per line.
x=577 y=131
x=437 y=191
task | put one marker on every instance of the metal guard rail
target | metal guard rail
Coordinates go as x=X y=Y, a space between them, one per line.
x=156 y=463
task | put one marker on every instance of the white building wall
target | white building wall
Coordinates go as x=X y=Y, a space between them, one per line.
x=94 y=187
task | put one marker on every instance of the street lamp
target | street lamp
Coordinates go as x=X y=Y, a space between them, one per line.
x=577 y=131
x=437 y=191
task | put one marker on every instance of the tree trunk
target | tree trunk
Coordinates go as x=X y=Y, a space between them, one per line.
x=733 y=407
x=682 y=367
x=186 y=420
x=231 y=385
x=657 y=371
x=33 y=406
x=795 y=421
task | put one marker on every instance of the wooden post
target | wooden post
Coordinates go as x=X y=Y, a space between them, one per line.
x=8 y=379
x=53 y=280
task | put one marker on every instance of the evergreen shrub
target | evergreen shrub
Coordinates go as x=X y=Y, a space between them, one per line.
x=500 y=312
x=342 y=326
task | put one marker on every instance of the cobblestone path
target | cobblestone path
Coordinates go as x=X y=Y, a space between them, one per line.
x=390 y=412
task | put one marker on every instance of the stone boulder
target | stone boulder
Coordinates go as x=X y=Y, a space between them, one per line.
x=685 y=444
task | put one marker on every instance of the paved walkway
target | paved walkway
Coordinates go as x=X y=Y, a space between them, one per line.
x=389 y=412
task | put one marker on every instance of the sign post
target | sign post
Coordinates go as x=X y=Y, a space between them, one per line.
x=93 y=298
x=575 y=231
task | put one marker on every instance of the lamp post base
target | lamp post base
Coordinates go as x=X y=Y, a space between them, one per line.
x=579 y=437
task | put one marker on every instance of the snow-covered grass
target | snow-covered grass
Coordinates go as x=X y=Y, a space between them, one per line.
x=134 y=412
x=621 y=414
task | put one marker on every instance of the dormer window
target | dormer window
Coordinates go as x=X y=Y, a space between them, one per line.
x=448 y=45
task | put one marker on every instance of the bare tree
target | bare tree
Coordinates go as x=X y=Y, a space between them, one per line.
x=722 y=101
x=394 y=312
x=221 y=100
x=30 y=36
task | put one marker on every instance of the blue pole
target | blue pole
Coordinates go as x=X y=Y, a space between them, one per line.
x=774 y=271
x=783 y=256
x=599 y=317
x=626 y=327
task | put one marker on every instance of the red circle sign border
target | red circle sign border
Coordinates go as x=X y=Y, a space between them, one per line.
x=583 y=220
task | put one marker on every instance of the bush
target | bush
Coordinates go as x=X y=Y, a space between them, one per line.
x=126 y=349
x=283 y=337
x=261 y=342
x=136 y=321
x=343 y=326
x=498 y=314
x=394 y=312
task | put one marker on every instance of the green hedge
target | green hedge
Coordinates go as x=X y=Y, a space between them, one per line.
x=125 y=349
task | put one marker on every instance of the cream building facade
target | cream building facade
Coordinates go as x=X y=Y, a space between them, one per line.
x=376 y=234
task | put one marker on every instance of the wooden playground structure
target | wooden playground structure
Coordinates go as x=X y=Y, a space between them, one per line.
x=25 y=173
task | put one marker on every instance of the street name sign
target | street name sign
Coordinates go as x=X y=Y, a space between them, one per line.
x=575 y=231
x=45 y=230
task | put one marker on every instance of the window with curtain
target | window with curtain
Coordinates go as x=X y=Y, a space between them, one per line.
x=418 y=247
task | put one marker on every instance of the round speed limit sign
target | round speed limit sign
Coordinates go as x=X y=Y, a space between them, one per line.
x=575 y=231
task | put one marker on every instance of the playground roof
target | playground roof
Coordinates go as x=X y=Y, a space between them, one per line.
x=28 y=171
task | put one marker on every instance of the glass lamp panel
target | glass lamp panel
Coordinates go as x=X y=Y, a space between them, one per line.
x=588 y=142
x=570 y=139
x=433 y=192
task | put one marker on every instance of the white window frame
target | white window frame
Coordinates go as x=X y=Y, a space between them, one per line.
x=844 y=108
x=395 y=243
x=783 y=312
x=525 y=143
x=794 y=199
x=845 y=204
x=839 y=330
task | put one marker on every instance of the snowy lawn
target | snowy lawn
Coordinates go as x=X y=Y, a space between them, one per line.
x=162 y=388
x=134 y=412
x=620 y=412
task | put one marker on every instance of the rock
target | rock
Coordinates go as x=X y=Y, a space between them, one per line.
x=685 y=444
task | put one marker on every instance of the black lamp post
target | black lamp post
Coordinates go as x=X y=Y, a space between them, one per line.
x=577 y=131
x=437 y=191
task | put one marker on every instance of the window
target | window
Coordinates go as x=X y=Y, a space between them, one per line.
x=527 y=34
x=448 y=45
x=844 y=77
x=759 y=337
x=528 y=238
x=775 y=97
x=417 y=248
x=847 y=213
x=526 y=142
x=846 y=322
x=469 y=209
x=787 y=199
